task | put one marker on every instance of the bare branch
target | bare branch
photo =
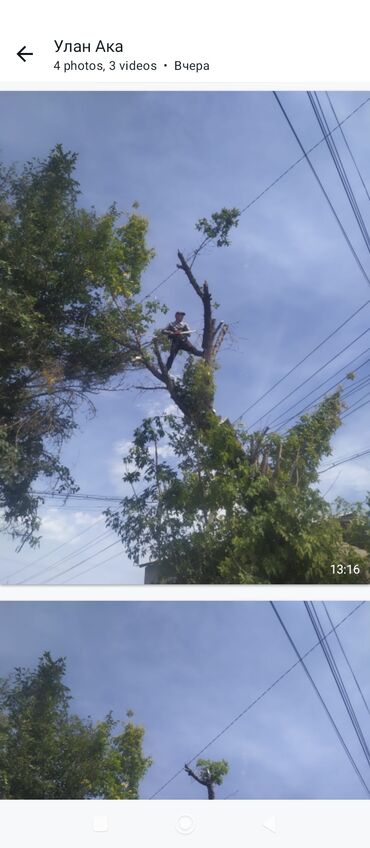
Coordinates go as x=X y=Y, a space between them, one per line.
x=187 y=270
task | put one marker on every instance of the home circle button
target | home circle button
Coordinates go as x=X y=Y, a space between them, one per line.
x=185 y=825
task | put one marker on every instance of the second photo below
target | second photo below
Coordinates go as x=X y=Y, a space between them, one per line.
x=170 y=700
x=184 y=351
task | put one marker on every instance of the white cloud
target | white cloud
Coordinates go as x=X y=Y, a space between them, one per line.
x=59 y=527
x=351 y=477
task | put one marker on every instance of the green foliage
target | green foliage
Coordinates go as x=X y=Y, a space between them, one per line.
x=218 y=226
x=224 y=506
x=195 y=392
x=355 y=520
x=212 y=770
x=48 y=753
x=69 y=320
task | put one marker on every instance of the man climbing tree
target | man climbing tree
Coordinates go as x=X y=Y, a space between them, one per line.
x=210 y=773
x=178 y=332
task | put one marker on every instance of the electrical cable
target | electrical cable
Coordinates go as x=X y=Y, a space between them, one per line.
x=343 y=368
x=53 y=551
x=347 y=144
x=80 y=497
x=333 y=150
x=255 y=701
x=307 y=380
x=322 y=701
x=66 y=558
x=347 y=393
x=325 y=494
x=356 y=408
x=329 y=656
x=307 y=356
x=305 y=155
x=318 y=180
x=346 y=658
x=267 y=188
x=72 y=567
x=91 y=568
x=342 y=461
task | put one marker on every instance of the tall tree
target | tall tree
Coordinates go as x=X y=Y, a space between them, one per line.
x=47 y=752
x=69 y=321
x=229 y=506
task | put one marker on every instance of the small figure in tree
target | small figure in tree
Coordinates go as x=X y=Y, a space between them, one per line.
x=210 y=772
x=178 y=331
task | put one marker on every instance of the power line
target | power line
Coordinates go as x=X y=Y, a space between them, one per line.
x=347 y=393
x=318 y=370
x=343 y=368
x=79 y=496
x=329 y=656
x=357 y=387
x=347 y=144
x=305 y=155
x=346 y=658
x=302 y=158
x=333 y=150
x=327 y=198
x=91 y=568
x=266 y=189
x=342 y=461
x=332 y=484
x=307 y=356
x=356 y=408
x=53 y=551
x=321 y=699
x=72 y=567
x=256 y=700
x=68 y=556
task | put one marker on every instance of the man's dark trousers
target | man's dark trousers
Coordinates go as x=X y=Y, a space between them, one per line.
x=181 y=344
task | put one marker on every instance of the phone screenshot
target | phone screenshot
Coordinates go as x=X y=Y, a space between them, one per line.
x=184 y=402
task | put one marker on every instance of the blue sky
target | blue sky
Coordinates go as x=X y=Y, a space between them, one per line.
x=188 y=668
x=287 y=280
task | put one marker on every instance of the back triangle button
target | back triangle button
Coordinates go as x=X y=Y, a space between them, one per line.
x=270 y=824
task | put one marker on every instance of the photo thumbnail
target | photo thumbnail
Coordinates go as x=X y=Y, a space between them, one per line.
x=180 y=700
x=184 y=362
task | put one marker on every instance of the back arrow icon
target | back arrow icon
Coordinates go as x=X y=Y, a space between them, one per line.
x=22 y=54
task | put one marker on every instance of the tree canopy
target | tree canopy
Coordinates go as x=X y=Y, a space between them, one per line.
x=69 y=320
x=47 y=752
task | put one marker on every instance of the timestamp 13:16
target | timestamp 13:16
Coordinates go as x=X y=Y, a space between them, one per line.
x=339 y=568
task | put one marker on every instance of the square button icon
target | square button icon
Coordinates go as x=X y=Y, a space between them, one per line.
x=100 y=824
